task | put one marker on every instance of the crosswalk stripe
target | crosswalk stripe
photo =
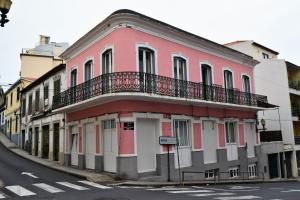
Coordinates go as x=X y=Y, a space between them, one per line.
x=167 y=189
x=48 y=188
x=73 y=186
x=19 y=190
x=94 y=184
x=238 y=198
x=189 y=191
x=212 y=194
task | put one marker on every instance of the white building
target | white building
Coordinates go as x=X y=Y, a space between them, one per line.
x=41 y=130
x=271 y=78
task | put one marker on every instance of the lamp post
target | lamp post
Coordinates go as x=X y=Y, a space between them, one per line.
x=4 y=8
x=263 y=123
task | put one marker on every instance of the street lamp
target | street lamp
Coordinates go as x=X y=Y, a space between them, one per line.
x=4 y=8
x=263 y=123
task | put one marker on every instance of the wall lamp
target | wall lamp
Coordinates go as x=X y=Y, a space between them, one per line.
x=4 y=8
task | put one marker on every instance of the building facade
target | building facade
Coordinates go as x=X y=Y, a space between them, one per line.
x=2 y=109
x=41 y=130
x=133 y=79
x=274 y=77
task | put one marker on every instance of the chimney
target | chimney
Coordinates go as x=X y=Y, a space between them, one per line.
x=44 y=39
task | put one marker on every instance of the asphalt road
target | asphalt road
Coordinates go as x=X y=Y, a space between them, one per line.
x=48 y=184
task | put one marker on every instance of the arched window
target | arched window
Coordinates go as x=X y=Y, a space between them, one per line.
x=88 y=67
x=206 y=73
x=146 y=60
x=246 y=84
x=228 y=79
x=73 y=78
x=107 y=64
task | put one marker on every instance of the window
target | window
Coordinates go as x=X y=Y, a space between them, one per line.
x=265 y=56
x=146 y=60
x=181 y=131
x=30 y=105
x=212 y=173
x=23 y=107
x=107 y=62
x=18 y=94
x=88 y=70
x=206 y=74
x=230 y=128
x=46 y=92
x=73 y=77
x=109 y=124
x=11 y=98
x=56 y=86
x=180 y=75
x=252 y=170
x=234 y=172
x=37 y=100
x=16 y=127
x=228 y=81
x=246 y=84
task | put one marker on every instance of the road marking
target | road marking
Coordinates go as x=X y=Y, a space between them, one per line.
x=238 y=198
x=189 y=191
x=73 y=186
x=242 y=187
x=94 y=184
x=48 y=188
x=212 y=194
x=167 y=189
x=20 y=191
x=29 y=174
x=291 y=191
x=2 y=196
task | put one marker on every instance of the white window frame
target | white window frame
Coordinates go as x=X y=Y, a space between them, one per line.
x=109 y=47
x=235 y=133
x=223 y=76
x=212 y=71
x=211 y=173
x=252 y=170
x=234 y=172
x=92 y=68
x=70 y=79
x=188 y=131
x=148 y=46
x=243 y=85
x=180 y=55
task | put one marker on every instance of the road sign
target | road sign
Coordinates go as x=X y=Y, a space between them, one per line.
x=163 y=140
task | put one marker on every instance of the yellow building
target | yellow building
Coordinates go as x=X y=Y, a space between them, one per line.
x=34 y=63
x=12 y=111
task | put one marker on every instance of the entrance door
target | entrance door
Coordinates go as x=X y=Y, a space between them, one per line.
x=181 y=131
x=231 y=140
x=56 y=142
x=74 y=146
x=146 y=157
x=23 y=139
x=36 y=141
x=110 y=145
x=288 y=161
x=210 y=143
x=90 y=145
x=250 y=138
x=273 y=165
x=45 y=142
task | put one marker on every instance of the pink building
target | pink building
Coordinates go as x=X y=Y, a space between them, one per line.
x=133 y=79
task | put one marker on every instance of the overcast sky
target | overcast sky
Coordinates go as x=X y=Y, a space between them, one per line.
x=273 y=23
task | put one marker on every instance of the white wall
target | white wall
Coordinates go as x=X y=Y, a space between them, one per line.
x=271 y=79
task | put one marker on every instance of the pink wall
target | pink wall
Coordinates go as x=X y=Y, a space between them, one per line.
x=221 y=135
x=124 y=42
x=125 y=139
x=166 y=131
x=125 y=106
x=241 y=135
x=197 y=136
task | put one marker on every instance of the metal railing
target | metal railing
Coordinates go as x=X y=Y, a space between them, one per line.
x=225 y=176
x=294 y=84
x=140 y=82
x=297 y=139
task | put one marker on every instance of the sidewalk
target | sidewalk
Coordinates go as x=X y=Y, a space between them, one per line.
x=91 y=176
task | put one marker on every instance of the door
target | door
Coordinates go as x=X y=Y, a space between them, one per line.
x=90 y=145
x=147 y=70
x=87 y=78
x=106 y=71
x=228 y=83
x=56 y=142
x=45 y=142
x=207 y=91
x=273 y=165
x=210 y=143
x=181 y=131
x=29 y=147
x=146 y=134
x=246 y=89
x=231 y=140
x=74 y=146
x=110 y=146
x=36 y=141
x=250 y=137
x=23 y=139
x=180 y=76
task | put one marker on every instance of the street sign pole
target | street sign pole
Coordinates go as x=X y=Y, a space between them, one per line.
x=168 y=141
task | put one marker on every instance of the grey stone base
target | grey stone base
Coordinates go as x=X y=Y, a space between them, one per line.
x=67 y=159
x=81 y=161
x=127 y=167
x=50 y=156
x=15 y=138
x=99 y=163
x=61 y=158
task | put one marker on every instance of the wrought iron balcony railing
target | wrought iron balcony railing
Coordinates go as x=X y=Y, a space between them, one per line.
x=140 y=82
x=294 y=84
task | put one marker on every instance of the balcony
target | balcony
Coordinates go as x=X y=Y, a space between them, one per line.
x=144 y=83
x=297 y=140
x=294 y=85
x=270 y=136
x=295 y=112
